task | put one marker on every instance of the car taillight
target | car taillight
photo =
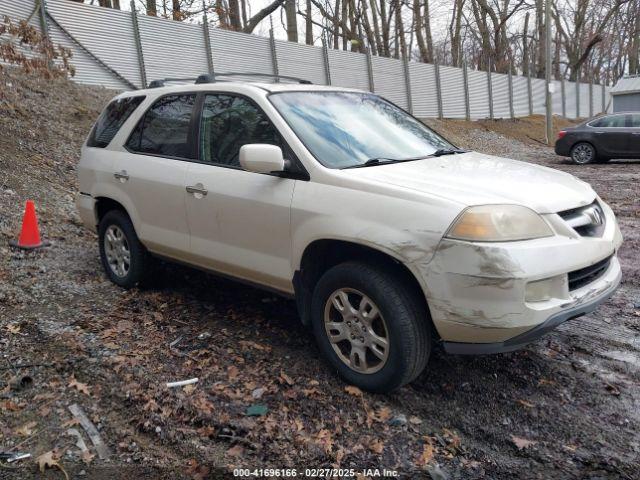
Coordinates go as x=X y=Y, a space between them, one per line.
x=561 y=134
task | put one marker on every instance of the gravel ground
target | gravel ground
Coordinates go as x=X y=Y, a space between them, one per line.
x=564 y=407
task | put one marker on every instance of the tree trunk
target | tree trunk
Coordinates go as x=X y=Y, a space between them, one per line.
x=177 y=14
x=401 y=41
x=336 y=25
x=376 y=27
x=525 y=46
x=234 y=15
x=541 y=58
x=345 y=11
x=427 y=30
x=422 y=45
x=152 y=8
x=309 y=25
x=292 y=23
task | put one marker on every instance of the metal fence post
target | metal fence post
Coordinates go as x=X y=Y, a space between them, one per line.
x=490 y=90
x=42 y=11
x=465 y=83
x=604 y=98
x=372 y=84
x=325 y=56
x=591 y=98
x=436 y=72
x=407 y=82
x=274 y=52
x=510 y=78
x=564 y=98
x=578 y=96
x=136 y=36
x=207 y=38
x=530 y=91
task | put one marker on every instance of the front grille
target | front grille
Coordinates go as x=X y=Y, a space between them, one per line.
x=586 y=275
x=587 y=221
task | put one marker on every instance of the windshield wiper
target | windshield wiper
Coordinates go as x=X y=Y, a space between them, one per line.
x=446 y=151
x=385 y=161
x=382 y=161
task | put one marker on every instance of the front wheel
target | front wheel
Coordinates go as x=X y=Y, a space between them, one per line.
x=370 y=326
x=583 y=153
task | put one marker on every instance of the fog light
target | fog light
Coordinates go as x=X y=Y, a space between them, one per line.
x=542 y=290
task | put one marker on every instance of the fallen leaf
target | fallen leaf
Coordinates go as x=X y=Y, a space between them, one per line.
x=206 y=431
x=325 y=439
x=71 y=422
x=427 y=453
x=81 y=387
x=87 y=456
x=48 y=460
x=612 y=389
x=26 y=429
x=544 y=381
x=15 y=329
x=9 y=406
x=203 y=405
x=196 y=471
x=353 y=390
x=376 y=446
x=189 y=389
x=522 y=443
x=233 y=372
x=383 y=414
x=235 y=451
x=525 y=403
x=258 y=392
x=286 y=378
x=415 y=420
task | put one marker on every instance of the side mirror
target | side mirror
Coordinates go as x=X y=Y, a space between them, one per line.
x=261 y=158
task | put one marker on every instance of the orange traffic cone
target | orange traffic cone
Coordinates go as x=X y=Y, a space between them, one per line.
x=29 y=235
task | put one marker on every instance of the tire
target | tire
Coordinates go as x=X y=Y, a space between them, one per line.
x=403 y=318
x=583 y=153
x=138 y=269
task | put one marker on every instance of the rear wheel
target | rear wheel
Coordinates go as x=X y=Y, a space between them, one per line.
x=370 y=327
x=124 y=259
x=583 y=153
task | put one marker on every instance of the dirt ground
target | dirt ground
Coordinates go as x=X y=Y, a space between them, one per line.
x=567 y=406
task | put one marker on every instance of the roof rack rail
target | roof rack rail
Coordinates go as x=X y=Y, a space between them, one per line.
x=257 y=74
x=213 y=77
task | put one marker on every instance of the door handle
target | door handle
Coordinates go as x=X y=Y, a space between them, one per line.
x=121 y=175
x=600 y=133
x=197 y=189
x=635 y=133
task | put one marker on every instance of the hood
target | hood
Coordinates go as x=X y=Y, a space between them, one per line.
x=476 y=179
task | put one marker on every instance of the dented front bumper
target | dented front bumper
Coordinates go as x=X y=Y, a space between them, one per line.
x=496 y=297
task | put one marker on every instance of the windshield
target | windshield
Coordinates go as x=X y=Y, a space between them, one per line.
x=345 y=129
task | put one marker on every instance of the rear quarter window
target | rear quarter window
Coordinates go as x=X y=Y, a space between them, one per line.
x=111 y=119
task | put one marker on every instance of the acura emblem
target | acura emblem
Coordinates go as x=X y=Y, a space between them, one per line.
x=595 y=214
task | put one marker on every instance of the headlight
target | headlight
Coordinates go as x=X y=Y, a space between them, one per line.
x=499 y=223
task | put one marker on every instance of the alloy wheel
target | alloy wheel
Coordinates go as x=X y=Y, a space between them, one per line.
x=116 y=249
x=356 y=330
x=582 y=154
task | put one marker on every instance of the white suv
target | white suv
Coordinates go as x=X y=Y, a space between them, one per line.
x=388 y=236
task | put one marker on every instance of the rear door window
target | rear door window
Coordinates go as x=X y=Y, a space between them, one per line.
x=635 y=120
x=111 y=119
x=165 y=128
x=613 y=121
